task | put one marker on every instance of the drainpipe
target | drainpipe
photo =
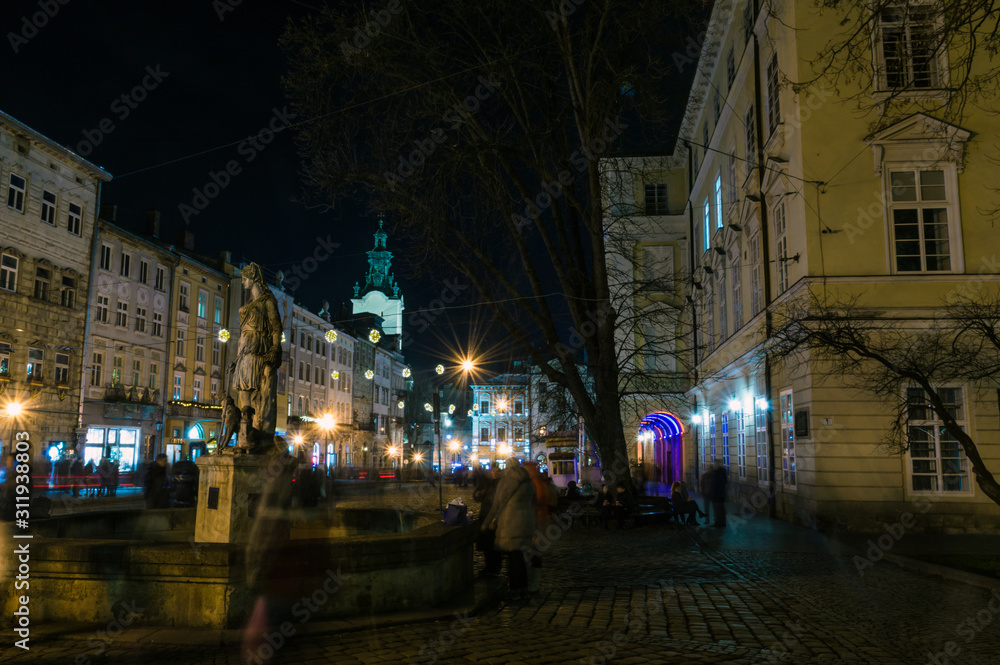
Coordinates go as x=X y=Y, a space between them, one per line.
x=87 y=350
x=766 y=262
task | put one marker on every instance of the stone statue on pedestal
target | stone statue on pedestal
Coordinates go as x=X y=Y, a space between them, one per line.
x=254 y=373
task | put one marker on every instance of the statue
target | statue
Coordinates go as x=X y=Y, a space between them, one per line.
x=258 y=356
x=231 y=419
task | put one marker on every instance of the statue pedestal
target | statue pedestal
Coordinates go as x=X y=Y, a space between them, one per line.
x=229 y=489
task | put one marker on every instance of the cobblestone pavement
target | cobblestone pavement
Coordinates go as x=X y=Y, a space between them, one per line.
x=653 y=595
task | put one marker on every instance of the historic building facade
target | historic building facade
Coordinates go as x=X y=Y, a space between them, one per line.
x=47 y=230
x=793 y=197
x=127 y=349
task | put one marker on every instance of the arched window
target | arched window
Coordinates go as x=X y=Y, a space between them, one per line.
x=196 y=433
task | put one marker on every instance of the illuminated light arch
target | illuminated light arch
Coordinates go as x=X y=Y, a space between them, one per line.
x=662 y=423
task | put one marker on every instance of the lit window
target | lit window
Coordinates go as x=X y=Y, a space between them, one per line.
x=787 y=440
x=760 y=425
x=202 y=304
x=178 y=385
x=718 y=200
x=35 y=357
x=780 y=246
x=117 y=368
x=218 y=310
x=4 y=359
x=741 y=444
x=706 y=218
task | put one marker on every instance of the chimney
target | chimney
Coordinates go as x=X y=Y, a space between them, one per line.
x=226 y=257
x=153 y=223
x=185 y=239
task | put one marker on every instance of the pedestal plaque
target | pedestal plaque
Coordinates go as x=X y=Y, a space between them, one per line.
x=228 y=490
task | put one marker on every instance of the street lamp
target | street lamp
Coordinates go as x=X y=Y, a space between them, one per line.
x=327 y=422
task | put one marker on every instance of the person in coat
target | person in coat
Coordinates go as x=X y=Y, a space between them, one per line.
x=156 y=483
x=705 y=488
x=486 y=489
x=720 y=482
x=513 y=511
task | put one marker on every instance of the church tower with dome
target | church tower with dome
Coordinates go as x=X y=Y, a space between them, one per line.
x=380 y=295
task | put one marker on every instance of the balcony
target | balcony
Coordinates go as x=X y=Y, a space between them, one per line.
x=193 y=410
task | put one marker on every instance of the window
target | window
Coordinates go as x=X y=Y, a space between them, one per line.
x=106 y=253
x=35 y=357
x=96 y=366
x=140 y=319
x=182 y=298
x=8 y=272
x=938 y=463
x=773 y=90
x=750 y=139
x=748 y=19
x=122 y=317
x=74 y=217
x=484 y=433
x=103 y=305
x=216 y=352
x=316 y=375
x=705 y=139
x=720 y=289
x=4 y=359
x=725 y=440
x=484 y=404
x=48 y=207
x=199 y=349
x=218 y=310
x=178 y=385
x=157 y=324
x=518 y=405
x=15 y=192
x=116 y=370
x=161 y=279
x=731 y=68
x=519 y=432
x=309 y=372
x=920 y=227
x=197 y=391
x=731 y=176
x=908 y=46
x=501 y=432
x=136 y=372
x=181 y=347
x=67 y=296
x=202 y=304
x=787 y=440
x=655 y=198
x=718 y=200
x=760 y=424
x=302 y=340
x=741 y=443
x=713 y=454
x=42 y=277
x=737 y=281
x=144 y=272
x=755 y=290
x=780 y=246
x=717 y=107
x=706 y=218
x=154 y=376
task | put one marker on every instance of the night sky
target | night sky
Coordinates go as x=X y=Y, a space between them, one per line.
x=164 y=94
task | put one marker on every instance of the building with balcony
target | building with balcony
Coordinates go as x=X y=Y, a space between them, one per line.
x=501 y=422
x=127 y=348
x=47 y=230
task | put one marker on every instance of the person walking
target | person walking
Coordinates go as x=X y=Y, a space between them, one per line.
x=486 y=489
x=90 y=474
x=546 y=500
x=513 y=512
x=720 y=483
x=76 y=475
x=705 y=488
x=156 y=483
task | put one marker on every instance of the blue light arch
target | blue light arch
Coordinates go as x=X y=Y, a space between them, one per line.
x=661 y=447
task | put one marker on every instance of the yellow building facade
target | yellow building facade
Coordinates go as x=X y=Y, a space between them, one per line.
x=833 y=192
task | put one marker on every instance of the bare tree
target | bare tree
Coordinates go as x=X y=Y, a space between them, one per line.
x=482 y=124
x=912 y=364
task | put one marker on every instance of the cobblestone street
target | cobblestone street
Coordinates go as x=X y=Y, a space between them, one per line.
x=762 y=592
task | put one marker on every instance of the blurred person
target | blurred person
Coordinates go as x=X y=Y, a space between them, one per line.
x=104 y=471
x=90 y=478
x=684 y=508
x=486 y=487
x=720 y=482
x=157 y=495
x=604 y=502
x=513 y=517
x=76 y=478
x=623 y=505
x=546 y=501
x=572 y=490
x=62 y=474
x=705 y=488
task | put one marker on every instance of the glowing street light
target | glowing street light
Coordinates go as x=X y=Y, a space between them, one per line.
x=439 y=369
x=468 y=365
x=327 y=421
x=417 y=457
x=428 y=407
x=14 y=409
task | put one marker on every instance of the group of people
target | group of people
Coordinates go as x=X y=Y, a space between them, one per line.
x=515 y=508
x=70 y=474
